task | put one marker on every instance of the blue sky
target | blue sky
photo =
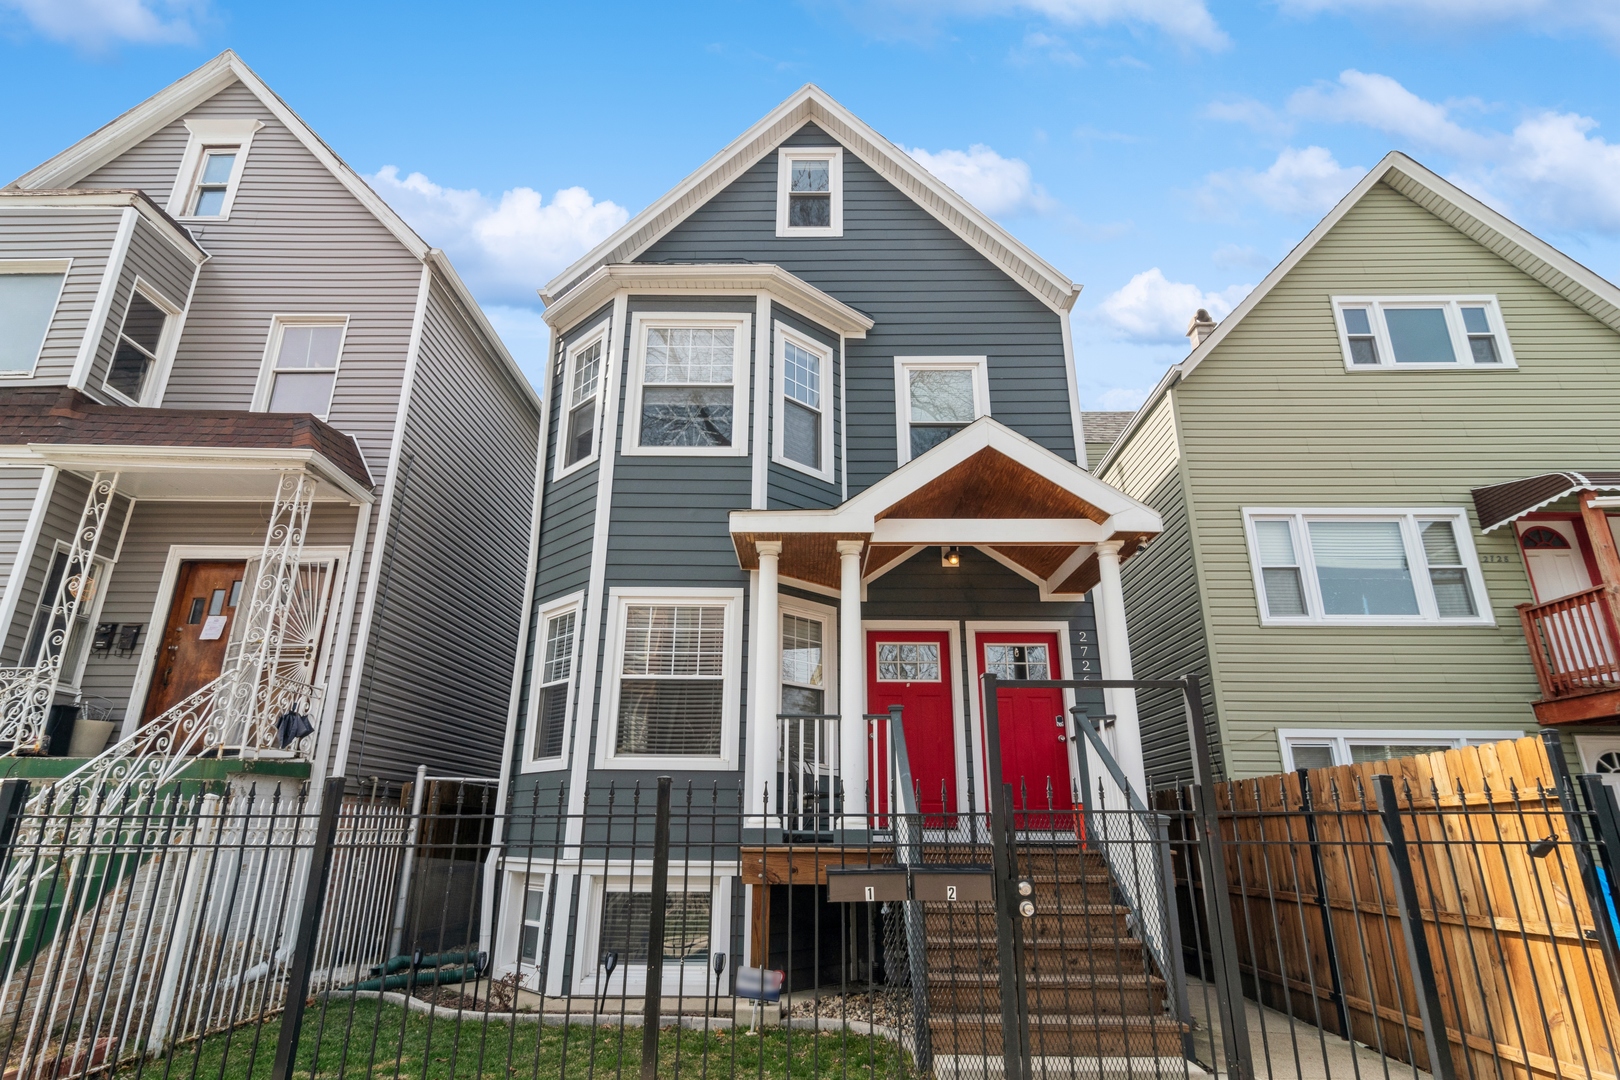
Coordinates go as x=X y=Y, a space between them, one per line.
x=1164 y=153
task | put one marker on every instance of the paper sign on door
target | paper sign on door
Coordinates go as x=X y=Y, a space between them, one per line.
x=213 y=627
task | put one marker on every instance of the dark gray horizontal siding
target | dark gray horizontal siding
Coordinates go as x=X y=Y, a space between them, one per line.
x=929 y=292
x=83 y=235
x=445 y=632
x=568 y=506
x=788 y=488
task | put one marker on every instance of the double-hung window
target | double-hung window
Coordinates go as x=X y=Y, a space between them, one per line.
x=29 y=291
x=689 y=393
x=1380 y=567
x=211 y=168
x=582 y=389
x=804 y=671
x=554 y=686
x=1320 y=749
x=1418 y=332
x=142 y=339
x=810 y=191
x=674 y=697
x=936 y=397
x=803 y=397
x=533 y=923
x=47 y=637
x=302 y=365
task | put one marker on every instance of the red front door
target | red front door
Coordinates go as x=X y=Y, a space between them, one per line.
x=912 y=669
x=1034 y=740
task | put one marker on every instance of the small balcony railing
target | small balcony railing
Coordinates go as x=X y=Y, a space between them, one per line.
x=809 y=788
x=1572 y=643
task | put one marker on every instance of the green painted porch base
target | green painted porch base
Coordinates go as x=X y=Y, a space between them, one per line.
x=202 y=769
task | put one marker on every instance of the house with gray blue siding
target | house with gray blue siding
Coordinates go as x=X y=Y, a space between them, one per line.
x=812 y=449
x=261 y=455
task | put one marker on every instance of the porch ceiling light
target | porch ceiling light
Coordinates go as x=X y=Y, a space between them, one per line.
x=950 y=556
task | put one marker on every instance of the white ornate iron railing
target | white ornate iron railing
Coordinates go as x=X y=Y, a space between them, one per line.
x=27 y=693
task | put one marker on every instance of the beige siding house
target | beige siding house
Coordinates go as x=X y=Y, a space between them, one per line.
x=260 y=454
x=1383 y=485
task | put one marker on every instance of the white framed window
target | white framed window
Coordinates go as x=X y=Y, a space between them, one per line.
x=1305 y=748
x=89 y=593
x=211 y=168
x=810 y=191
x=688 y=387
x=618 y=910
x=809 y=658
x=551 y=692
x=935 y=397
x=673 y=679
x=1422 y=332
x=30 y=289
x=803 y=438
x=1372 y=566
x=531 y=923
x=584 y=379
x=143 y=345
x=301 y=364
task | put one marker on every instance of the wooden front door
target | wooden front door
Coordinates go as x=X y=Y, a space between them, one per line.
x=912 y=669
x=1034 y=739
x=201 y=615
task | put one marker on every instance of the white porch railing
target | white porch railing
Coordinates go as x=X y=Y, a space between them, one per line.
x=809 y=782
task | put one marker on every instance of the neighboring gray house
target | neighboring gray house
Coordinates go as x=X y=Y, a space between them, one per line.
x=812 y=449
x=221 y=353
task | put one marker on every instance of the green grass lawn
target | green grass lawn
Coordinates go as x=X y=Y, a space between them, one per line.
x=363 y=1040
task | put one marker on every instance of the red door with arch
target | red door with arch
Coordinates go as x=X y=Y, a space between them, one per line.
x=912 y=669
x=1034 y=727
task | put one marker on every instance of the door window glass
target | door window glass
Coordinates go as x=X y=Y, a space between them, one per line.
x=908 y=662
x=1017 y=661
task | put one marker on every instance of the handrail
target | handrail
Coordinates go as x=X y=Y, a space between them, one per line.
x=809 y=769
x=1572 y=642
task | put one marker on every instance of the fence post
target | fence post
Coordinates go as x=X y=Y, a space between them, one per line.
x=1319 y=874
x=1417 y=941
x=653 y=996
x=13 y=798
x=309 y=926
x=1217 y=897
x=1580 y=839
x=1001 y=858
x=1600 y=798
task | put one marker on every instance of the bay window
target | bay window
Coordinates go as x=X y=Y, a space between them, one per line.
x=1372 y=566
x=142 y=341
x=688 y=392
x=803 y=433
x=582 y=385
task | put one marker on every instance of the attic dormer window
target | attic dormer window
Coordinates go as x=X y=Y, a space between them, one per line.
x=213 y=182
x=810 y=192
x=211 y=168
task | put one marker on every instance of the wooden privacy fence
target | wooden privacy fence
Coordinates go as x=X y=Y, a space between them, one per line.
x=1466 y=888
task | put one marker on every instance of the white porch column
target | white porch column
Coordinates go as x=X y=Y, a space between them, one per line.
x=1116 y=661
x=767 y=665
x=852 y=743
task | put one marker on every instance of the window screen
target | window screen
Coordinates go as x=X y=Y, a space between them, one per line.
x=306 y=369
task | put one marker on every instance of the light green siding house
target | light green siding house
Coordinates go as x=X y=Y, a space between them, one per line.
x=1322 y=460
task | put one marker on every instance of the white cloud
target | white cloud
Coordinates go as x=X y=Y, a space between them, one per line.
x=1254 y=114
x=1188 y=21
x=506 y=248
x=1538 y=16
x=1307 y=181
x=994 y=184
x=1379 y=101
x=1151 y=308
x=1556 y=173
x=100 y=24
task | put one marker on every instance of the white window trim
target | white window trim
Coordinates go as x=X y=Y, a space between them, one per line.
x=1342 y=738
x=38 y=266
x=167 y=345
x=827 y=616
x=1417 y=562
x=730 y=674
x=272 y=347
x=785 y=334
x=570 y=352
x=574 y=601
x=104 y=571
x=1459 y=334
x=903 y=365
x=210 y=135
x=835 y=180
x=631 y=979
x=521 y=876
x=640 y=323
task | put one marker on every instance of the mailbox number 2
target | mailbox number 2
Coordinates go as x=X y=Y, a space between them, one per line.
x=950 y=892
x=871 y=894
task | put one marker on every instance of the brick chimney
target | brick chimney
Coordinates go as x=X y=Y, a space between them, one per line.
x=1200 y=328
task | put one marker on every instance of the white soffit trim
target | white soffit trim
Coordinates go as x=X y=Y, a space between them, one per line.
x=729 y=278
x=1492 y=230
x=812 y=104
x=173 y=102
x=859 y=514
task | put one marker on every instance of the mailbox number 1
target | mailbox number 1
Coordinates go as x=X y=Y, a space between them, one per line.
x=950 y=892
x=871 y=894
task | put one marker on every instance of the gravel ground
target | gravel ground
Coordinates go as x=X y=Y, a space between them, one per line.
x=890 y=1008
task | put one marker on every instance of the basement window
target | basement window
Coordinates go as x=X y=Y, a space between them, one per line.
x=1320 y=749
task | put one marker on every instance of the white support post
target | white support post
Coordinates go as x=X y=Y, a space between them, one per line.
x=768 y=678
x=852 y=741
x=1116 y=661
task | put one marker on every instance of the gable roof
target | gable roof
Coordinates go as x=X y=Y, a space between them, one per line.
x=1489 y=228
x=180 y=97
x=811 y=104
